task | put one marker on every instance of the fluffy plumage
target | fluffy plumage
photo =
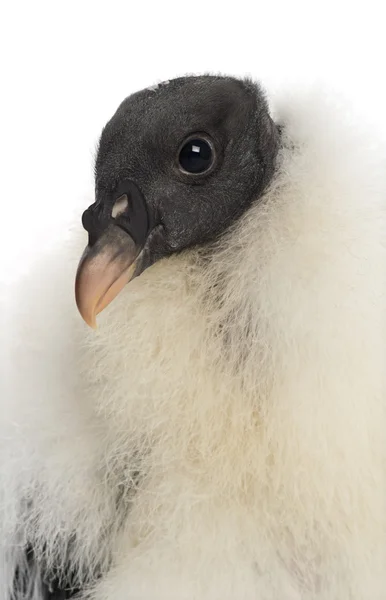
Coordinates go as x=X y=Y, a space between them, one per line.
x=222 y=435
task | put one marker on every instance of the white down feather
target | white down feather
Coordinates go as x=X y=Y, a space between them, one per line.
x=247 y=385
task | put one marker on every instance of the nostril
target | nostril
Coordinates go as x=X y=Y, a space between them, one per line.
x=120 y=206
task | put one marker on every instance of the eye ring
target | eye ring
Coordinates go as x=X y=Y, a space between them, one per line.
x=196 y=155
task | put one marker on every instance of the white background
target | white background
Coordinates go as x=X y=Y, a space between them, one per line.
x=67 y=65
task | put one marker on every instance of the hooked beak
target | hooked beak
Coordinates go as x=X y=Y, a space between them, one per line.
x=104 y=269
x=117 y=234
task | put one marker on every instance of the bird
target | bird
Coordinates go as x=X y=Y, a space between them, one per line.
x=203 y=416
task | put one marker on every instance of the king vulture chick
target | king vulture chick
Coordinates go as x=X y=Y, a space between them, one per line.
x=221 y=435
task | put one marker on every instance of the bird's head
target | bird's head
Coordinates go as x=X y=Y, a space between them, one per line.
x=177 y=164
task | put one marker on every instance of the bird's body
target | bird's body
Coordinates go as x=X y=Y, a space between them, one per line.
x=221 y=436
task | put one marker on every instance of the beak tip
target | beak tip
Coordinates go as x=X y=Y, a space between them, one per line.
x=90 y=320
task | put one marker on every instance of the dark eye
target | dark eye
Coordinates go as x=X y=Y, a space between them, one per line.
x=196 y=156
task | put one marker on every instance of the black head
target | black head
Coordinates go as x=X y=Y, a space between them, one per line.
x=177 y=164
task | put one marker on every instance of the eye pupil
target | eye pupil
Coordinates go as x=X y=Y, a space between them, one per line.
x=196 y=156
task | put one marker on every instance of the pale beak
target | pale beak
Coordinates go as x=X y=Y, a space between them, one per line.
x=104 y=269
